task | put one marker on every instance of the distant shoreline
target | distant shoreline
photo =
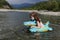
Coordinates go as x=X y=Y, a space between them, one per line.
x=40 y=12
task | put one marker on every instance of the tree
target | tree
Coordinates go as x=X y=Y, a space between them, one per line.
x=53 y=5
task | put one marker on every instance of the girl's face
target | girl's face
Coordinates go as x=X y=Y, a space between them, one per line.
x=32 y=17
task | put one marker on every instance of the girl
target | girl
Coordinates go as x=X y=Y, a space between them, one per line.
x=34 y=17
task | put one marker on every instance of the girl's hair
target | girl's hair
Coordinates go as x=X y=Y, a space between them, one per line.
x=34 y=14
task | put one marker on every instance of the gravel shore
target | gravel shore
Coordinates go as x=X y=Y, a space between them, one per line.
x=40 y=12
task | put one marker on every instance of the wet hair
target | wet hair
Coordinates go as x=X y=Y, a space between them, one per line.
x=34 y=14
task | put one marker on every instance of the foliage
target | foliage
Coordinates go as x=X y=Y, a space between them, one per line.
x=2 y=3
x=52 y=5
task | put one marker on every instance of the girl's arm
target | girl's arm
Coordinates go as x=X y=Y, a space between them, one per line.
x=38 y=24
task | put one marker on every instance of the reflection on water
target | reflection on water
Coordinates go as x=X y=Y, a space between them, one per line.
x=11 y=27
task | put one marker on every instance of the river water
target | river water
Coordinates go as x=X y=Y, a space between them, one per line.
x=12 y=28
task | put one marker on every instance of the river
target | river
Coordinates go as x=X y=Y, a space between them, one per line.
x=12 y=28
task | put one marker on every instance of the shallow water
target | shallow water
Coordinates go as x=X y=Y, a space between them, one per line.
x=12 y=28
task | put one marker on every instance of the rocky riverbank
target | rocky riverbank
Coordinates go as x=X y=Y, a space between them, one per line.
x=40 y=12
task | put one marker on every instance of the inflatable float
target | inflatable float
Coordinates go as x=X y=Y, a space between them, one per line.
x=35 y=29
x=29 y=23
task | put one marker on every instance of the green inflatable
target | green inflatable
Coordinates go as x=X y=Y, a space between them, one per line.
x=35 y=29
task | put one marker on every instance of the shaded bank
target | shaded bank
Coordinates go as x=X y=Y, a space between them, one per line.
x=4 y=4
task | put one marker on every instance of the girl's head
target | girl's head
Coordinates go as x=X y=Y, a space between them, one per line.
x=34 y=15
